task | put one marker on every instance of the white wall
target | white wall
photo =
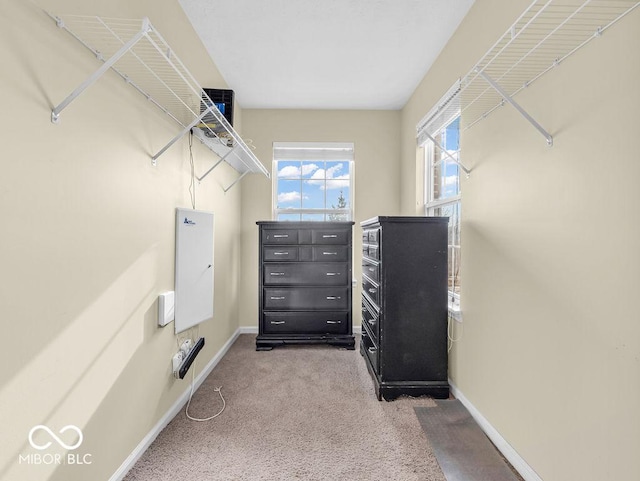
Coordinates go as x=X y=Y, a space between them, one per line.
x=550 y=342
x=87 y=240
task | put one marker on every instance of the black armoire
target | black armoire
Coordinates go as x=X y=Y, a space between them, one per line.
x=404 y=305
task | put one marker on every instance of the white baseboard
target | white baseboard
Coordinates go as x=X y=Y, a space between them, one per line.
x=519 y=464
x=248 y=329
x=173 y=411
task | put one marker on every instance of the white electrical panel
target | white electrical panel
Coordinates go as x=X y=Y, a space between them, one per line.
x=194 y=268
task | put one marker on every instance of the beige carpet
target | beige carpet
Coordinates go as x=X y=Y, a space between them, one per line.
x=294 y=413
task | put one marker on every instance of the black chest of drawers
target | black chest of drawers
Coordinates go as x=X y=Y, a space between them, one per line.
x=404 y=305
x=305 y=278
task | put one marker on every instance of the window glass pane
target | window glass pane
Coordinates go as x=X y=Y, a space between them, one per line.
x=443 y=182
x=313 y=194
x=309 y=169
x=315 y=186
x=289 y=195
x=289 y=169
x=337 y=170
x=452 y=134
x=450 y=179
x=337 y=195
x=452 y=211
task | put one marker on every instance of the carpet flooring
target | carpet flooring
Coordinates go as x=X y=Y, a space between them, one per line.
x=294 y=413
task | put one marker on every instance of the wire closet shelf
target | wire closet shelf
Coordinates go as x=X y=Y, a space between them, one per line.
x=136 y=51
x=546 y=34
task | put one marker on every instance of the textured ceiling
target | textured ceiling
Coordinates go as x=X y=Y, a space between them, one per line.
x=324 y=54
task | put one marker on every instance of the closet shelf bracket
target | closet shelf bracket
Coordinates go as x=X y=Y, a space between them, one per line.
x=55 y=113
x=516 y=106
x=542 y=38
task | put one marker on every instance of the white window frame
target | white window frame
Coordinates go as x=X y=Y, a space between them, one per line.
x=431 y=204
x=441 y=115
x=309 y=151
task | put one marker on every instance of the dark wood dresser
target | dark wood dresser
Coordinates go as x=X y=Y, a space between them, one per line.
x=404 y=305
x=305 y=284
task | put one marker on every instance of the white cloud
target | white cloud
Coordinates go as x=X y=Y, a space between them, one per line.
x=289 y=171
x=451 y=180
x=338 y=181
x=297 y=172
x=285 y=197
x=309 y=168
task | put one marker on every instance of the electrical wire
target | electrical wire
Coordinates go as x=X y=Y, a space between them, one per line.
x=217 y=389
x=450 y=338
x=192 y=183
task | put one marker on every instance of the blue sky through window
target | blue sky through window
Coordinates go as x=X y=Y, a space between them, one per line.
x=312 y=185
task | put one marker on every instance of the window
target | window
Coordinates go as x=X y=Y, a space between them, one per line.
x=442 y=192
x=439 y=133
x=313 y=181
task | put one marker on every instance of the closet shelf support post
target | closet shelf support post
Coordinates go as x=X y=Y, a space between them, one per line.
x=517 y=106
x=182 y=133
x=220 y=160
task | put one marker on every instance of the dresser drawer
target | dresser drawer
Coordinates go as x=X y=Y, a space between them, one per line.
x=306 y=322
x=370 y=319
x=289 y=253
x=306 y=273
x=374 y=236
x=371 y=269
x=330 y=236
x=331 y=253
x=307 y=298
x=371 y=290
x=369 y=349
x=373 y=252
x=280 y=236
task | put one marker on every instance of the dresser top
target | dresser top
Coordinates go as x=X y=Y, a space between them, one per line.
x=404 y=219
x=298 y=224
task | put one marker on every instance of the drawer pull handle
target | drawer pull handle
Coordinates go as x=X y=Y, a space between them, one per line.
x=364 y=309
x=329 y=321
x=372 y=290
x=280 y=253
x=371 y=269
x=329 y=253
x=333 y=298
x=329 y=236
x=333 y=273
x=277 y=298
x=280 y=236
x=371 y=321
x=277 y=322
x=276 y=273
x=372 y=350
